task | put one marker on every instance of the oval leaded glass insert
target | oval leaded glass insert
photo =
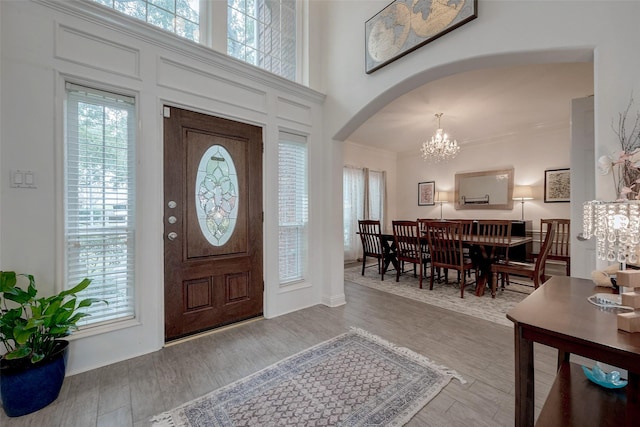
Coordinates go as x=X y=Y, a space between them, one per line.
x=217 y=195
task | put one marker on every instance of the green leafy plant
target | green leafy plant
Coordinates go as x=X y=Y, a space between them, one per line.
x=29 y=326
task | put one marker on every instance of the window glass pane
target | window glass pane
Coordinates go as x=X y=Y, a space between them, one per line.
x=188 y=9
x=216 y=195
x=160 y=18
x=272 y=32
x=187 y=29
x=251 y=56
x=168 y=5
x=134 y=8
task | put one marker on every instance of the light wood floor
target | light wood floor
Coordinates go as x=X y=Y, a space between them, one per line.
x=130 y=392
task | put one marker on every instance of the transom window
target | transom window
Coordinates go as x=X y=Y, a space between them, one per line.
x=181 y=17
x=260 y=32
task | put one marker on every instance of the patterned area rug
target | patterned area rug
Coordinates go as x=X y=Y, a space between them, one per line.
x=355 y=379
x=445 y=296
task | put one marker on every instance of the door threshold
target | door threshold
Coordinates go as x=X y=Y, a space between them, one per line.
x=212 y=331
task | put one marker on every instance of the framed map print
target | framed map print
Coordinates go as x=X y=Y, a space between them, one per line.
x=557 y=185
x=405 y=25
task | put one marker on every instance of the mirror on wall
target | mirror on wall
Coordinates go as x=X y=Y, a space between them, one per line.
x=485 y=190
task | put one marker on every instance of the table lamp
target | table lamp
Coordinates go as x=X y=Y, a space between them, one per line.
x=441 y=197
x=616 y=226
x=522 y=193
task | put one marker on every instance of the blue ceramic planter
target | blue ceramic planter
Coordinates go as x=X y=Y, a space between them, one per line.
x=28 y=388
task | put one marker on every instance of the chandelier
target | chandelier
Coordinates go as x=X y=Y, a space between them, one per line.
x=439 y=148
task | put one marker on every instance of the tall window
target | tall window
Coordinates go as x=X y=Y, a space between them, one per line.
x=293 y=205
x=99 y=203
x=263 y=33
x=363 y=193
x=260 y=32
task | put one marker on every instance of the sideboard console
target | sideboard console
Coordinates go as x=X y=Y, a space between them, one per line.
x=559 y=315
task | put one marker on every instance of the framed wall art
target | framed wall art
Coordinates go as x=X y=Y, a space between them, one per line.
x=405 y=25
x=557 y=185
x=426 y=193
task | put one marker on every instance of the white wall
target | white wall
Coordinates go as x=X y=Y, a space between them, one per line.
x=44 y=44
x=529 y=154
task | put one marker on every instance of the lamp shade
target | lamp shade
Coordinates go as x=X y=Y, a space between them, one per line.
x=522 y=192
x=441 y=197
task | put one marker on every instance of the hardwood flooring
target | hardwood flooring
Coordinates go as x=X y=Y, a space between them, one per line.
x=130 y=392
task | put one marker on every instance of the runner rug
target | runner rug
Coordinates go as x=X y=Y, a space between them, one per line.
x=445 y=296
x=354 y=379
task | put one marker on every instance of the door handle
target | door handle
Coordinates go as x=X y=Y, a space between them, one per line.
x=172 y=235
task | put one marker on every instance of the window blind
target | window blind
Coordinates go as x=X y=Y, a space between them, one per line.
x=99 y=202
x=293 y=204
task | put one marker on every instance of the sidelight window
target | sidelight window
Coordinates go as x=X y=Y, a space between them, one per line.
x=99 y=200
x=293 y=206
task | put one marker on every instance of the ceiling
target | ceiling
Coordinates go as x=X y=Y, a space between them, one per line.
x=479 y=106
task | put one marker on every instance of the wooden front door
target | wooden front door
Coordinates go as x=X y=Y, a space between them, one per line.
x=212 y=222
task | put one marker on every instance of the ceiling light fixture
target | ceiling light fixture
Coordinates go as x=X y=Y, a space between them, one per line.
x=439 y=147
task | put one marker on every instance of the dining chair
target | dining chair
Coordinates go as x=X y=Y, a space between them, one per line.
x=534 y=271
x=560 y=249
x=468 y=229
x=496 y=237
x=407 y=238
x=447 y=251
x=370 y=235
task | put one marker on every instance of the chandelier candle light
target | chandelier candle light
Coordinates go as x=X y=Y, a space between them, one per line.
x=439 y=147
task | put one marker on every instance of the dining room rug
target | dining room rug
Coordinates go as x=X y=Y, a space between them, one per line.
x=354 y=379
x=445 y=296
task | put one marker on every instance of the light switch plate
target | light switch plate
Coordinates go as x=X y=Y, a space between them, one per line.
x=22 y=179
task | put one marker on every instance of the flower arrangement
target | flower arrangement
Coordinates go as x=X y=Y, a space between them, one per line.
x=625 y=164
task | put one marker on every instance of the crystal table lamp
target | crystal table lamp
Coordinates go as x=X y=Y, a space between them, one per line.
x=616 y=226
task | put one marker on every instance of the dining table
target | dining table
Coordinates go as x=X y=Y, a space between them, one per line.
x=484 y=256
x=481 y=257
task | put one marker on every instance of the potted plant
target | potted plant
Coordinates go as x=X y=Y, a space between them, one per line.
x=33 y=365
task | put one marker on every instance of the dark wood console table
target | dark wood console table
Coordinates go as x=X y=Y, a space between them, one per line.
x=558 y=315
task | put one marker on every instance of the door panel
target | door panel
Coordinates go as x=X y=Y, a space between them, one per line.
x=583 y=181
x=213 y=222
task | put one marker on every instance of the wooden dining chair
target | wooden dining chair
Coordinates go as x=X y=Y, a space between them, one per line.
x=498 y=233
x=534 y=271
x=560 y=249
x=447 y=251
x=370 y=235
x=406 y=235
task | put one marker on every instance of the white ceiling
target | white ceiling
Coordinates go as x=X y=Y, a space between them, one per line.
x=479 y=105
